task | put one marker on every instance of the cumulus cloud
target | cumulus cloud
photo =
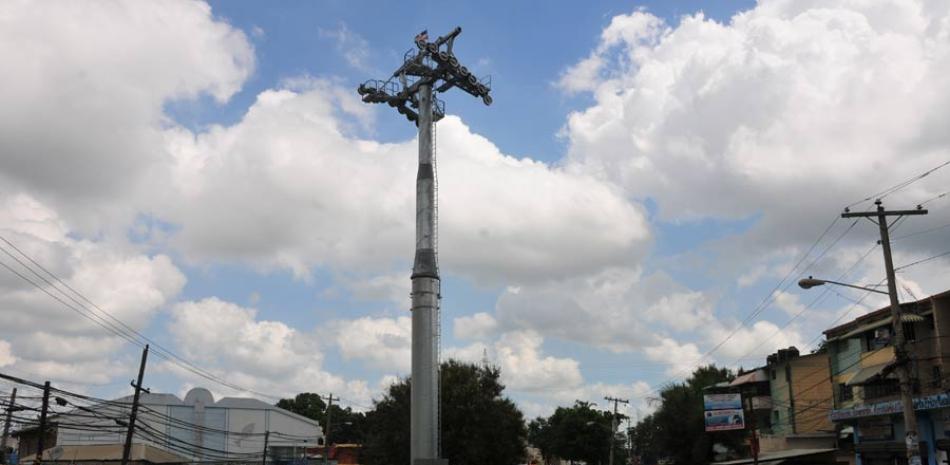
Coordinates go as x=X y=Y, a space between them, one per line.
x=6 y=354
x=82 y=114
x=789 y=107
x=391 y=288
x=348 y=203
x=525 y=368
x=382 y=342
x=474 y=327
x=60 y=339
x=681 y=358
x=261 y=355
x=610 y=309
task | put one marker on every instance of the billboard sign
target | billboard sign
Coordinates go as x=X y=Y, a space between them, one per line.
x=723 y=412
x=724 y=420
x=722 y=401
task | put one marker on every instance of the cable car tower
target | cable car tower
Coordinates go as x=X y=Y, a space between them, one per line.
x=428 y=69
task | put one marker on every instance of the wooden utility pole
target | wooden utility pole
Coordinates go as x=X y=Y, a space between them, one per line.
x=900 y=350
x=326 y=434
x=6 y=427
x=42 y=433
x=613 y=424
x=266 y=440
x=127 y=449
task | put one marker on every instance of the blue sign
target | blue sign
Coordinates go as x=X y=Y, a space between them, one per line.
x=724 y=420
x=722 y=401
x=889 y=408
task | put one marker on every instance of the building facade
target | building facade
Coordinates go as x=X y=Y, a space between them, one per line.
x=172 y=430
x=866 y=391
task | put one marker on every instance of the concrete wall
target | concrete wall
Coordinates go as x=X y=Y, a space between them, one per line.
x=781 y=400
x=812 y=392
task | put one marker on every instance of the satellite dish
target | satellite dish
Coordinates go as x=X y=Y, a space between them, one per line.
x=56 y=452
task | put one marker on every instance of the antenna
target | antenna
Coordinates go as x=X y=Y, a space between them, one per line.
x=428 y=69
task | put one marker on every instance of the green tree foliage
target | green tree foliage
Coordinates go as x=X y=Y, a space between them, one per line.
x=479 y=425
x=541 y=435
x=576 y=433
x=347 y=426
x=676 y=430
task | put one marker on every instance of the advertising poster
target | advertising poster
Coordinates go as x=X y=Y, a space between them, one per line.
x=724 y=420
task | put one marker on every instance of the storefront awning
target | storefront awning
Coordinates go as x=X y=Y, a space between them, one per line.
x=867 y=373
x=778 y=457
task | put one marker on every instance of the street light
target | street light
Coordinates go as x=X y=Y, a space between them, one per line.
x=810 y=282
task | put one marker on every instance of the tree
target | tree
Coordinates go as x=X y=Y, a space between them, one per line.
x=479 y=424
x=541 y=435
x=643 y=436
x=676 y=430
x=576 y=433
x=347 y=427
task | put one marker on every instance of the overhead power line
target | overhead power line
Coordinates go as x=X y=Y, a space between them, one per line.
x=57 y=289
x=901 y=185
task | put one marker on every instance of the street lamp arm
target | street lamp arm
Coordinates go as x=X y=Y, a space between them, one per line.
x=810 y=282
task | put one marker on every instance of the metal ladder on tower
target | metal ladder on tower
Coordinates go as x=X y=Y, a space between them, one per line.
x=437 y=318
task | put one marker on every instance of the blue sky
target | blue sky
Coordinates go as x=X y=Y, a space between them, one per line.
x=648 y=175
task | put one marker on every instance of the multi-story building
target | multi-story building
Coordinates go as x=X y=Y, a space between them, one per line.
x=866 y=391
x=801 y=396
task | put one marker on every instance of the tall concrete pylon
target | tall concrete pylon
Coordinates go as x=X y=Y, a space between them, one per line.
x=411 y=90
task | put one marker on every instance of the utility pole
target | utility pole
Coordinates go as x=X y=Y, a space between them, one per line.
x=425 y=71
x=127 y=449
x=42 y=434
x=613 y=423
x=754 y=437
x=326 y=434
x=900 y=349
x=6 y=427
x=266 y=440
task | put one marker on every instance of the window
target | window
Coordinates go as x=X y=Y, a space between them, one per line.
x=909 y=333
x=935 y=376
x=882 y=388
x=776 y=416
x=845 y=393
x=878 y=338
x=773 y=373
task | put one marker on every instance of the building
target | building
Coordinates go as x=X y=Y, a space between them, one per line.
x=172 y=430
x=866 y=391
x=787 y=403
x=800 y=391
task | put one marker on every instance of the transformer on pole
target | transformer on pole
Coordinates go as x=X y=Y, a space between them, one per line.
x=428 y=69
